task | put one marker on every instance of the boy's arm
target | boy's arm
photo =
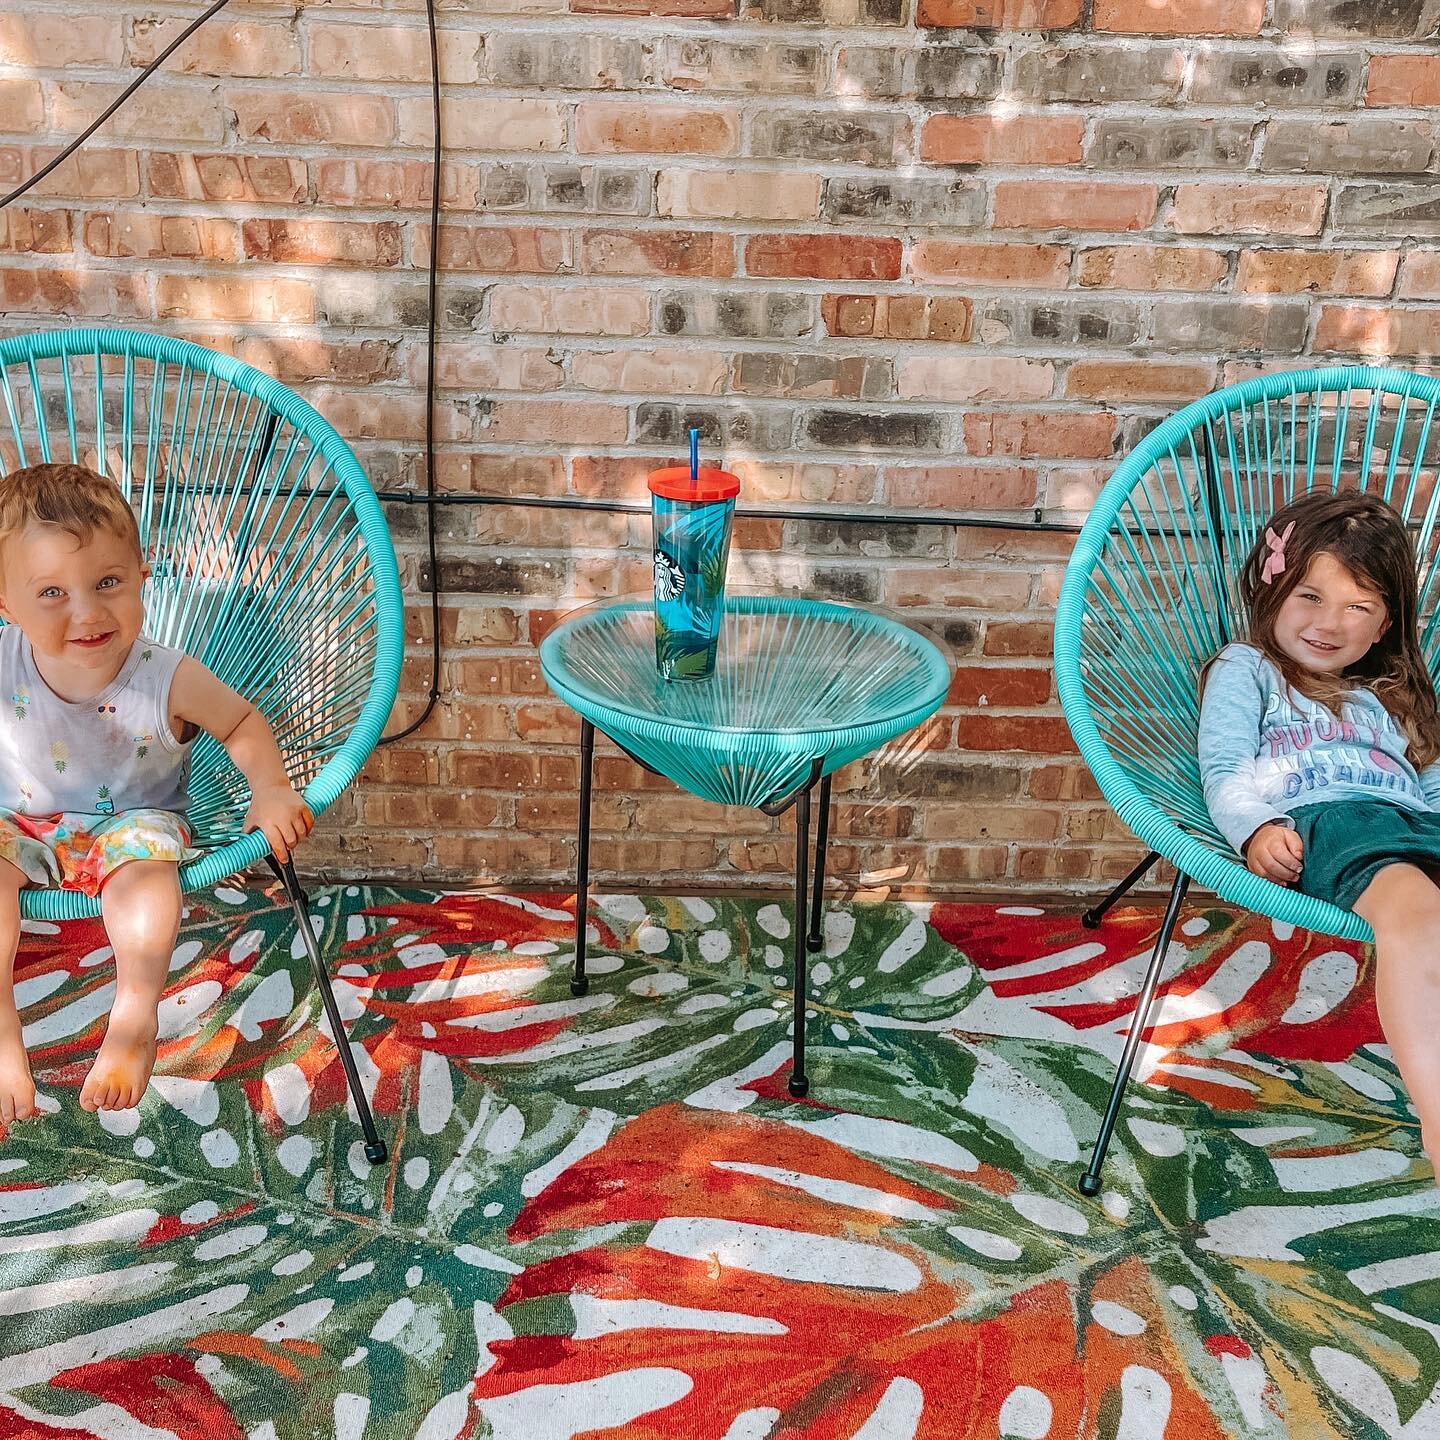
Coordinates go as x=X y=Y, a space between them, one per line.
x=201 y=699
x=1231 y=710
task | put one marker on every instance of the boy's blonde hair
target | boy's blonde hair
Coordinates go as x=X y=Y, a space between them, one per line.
x=71 y=496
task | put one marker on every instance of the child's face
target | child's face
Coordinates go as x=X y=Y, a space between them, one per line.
x=1329 y=620
x=78 y=602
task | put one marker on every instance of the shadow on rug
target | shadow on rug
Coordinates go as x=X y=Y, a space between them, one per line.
x=607 y=1217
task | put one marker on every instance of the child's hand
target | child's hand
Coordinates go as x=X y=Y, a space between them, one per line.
x=283 y=816
x=1275 y=852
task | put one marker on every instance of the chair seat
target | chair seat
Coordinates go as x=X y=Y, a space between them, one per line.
x=796 y=681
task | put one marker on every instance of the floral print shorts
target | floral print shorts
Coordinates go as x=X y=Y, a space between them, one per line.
x=81 y=852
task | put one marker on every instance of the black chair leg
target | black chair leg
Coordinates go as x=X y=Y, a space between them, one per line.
x=1090 y=1181
x=799 y=1081
x=578 y=982
x=375 y=1150
x=1092 y=918
x=817 y=896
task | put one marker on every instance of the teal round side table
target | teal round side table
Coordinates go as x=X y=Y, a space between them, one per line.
x=801 y=687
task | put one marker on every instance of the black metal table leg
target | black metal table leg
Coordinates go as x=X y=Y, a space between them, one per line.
x=375 y=1150
x=799 y=1081
x=1092 y=917
x=578 y=983
x=1090 y=1181
x=799 y=797
x=817 y=896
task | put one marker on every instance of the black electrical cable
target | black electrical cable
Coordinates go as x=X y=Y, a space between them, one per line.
x=943 y=519
x=125 y=94
x=116 y=103
x=435 y=179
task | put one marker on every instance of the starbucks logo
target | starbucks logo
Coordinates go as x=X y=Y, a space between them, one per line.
x=669 y=577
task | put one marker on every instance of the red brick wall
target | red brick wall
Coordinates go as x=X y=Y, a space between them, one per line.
x=914 y=254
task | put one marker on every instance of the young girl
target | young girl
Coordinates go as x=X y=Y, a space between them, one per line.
x=94 y=755
x=1319 y=743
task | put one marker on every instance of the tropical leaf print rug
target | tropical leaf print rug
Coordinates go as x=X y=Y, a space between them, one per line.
x=607 y=1217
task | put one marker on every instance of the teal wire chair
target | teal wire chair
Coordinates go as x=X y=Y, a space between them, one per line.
x=1151 y=593
x=271 y=563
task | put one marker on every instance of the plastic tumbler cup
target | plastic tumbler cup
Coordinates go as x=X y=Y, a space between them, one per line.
x=692 y=513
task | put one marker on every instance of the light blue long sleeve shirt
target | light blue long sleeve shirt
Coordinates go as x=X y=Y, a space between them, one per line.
x=1265 y=750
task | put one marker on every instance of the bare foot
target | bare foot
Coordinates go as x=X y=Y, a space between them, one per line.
x=17 y=1089
x=122 y=1069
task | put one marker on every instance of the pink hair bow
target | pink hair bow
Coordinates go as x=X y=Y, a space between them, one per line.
x=1275 y=560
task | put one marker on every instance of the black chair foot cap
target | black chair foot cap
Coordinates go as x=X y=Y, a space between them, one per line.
x=1090 y=920
x=579 y=987
x=814 y=943
x=799 y=1086
x=377 y=1154
x=1089 y=1186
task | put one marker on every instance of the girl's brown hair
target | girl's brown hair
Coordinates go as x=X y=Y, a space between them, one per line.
x=1368 y=538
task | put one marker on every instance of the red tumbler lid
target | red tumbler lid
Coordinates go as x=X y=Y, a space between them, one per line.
x=674 y=483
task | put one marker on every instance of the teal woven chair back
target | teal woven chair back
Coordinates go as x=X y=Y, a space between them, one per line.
x=271 y=560
x=1151 y=592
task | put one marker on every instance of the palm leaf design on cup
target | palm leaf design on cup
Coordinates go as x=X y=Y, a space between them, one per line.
x=669 y=647
x=707 y=536
x=708 y=530
x=712 y=568
x=691 y=662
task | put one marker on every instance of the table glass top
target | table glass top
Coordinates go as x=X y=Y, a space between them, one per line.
x=786 y=665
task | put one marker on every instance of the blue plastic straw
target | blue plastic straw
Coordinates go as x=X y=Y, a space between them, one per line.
x=694 y=454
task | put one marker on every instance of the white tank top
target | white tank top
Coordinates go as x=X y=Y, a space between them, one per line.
x=101 y=756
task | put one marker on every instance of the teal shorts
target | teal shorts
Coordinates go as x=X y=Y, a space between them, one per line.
x=1349 y=842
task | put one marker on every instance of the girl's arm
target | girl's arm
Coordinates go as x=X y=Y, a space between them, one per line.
x=1430 y=784
x=1231 y=711
x=198 y=698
